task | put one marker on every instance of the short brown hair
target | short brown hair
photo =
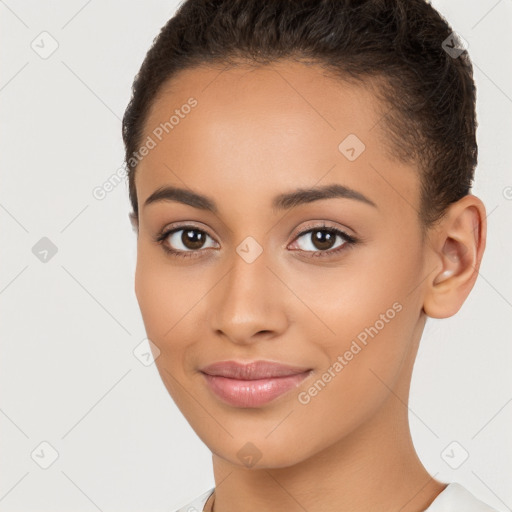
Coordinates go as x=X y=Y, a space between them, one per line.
x=428 y=92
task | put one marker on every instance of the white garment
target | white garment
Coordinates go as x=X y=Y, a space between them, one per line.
x=454 y=498
x=198 y=504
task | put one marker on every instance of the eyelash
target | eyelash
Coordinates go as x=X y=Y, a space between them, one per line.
x=349 y=241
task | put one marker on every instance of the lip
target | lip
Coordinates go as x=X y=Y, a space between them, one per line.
x=252 y=370
x=254 y=383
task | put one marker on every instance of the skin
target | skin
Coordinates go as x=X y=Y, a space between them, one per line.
x=256 y=133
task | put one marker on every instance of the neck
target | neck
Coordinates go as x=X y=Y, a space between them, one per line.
x=353 y=475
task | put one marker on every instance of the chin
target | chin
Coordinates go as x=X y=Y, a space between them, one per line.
x=258 y=453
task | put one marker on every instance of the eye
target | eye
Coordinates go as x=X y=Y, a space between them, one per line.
x=320 y=241
x=185 y=241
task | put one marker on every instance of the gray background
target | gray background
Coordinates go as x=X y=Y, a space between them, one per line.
x=69 y=326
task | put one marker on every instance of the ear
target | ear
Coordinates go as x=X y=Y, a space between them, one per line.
x=456 y=247
x=134 y=220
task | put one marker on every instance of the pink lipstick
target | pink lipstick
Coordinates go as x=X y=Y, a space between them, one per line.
x=252 y=384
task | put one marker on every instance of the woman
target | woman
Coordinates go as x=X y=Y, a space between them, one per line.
x=300 y=176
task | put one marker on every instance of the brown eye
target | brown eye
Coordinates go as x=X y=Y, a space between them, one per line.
x=184 y=240
x=192 y=238
x=322 y=241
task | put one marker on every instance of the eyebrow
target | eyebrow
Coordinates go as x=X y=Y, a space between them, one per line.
x=283 y=201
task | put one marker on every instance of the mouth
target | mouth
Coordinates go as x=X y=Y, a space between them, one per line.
x=252 y=384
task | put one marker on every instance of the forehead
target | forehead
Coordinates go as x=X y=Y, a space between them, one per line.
x=260 y=131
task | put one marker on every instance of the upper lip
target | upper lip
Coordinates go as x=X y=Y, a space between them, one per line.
x=252 y=370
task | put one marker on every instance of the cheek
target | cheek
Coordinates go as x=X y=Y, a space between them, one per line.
x=162 y=298
x=170 y=299
x=356 y=380
x=368 y=318
x=164 y=304
x=354 y=301
x=380 y=280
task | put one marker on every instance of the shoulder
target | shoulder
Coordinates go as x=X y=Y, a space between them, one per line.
x=451 y=499
x=198 y=503
x=456 y=497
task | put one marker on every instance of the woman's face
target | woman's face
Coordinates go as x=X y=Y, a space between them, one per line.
x=251 y=283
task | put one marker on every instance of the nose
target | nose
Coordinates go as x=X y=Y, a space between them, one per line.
x=249 y=303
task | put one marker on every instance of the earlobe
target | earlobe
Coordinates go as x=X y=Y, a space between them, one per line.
x=456 y=253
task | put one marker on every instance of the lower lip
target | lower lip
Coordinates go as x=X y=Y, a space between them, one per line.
x=252 y=393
